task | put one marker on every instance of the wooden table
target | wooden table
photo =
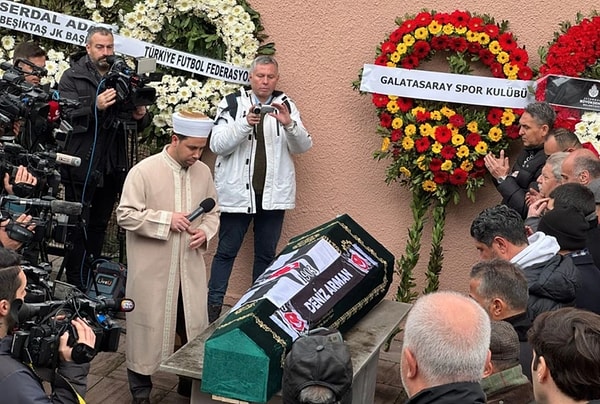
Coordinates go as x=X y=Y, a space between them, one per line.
x=364 y=341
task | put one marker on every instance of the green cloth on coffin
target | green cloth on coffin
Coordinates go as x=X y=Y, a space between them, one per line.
x=330 y=276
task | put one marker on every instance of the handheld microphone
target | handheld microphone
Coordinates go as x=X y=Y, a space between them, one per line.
x=122 y=305
x=61 y=158
x=56 y=206
x=53 y=111
x=205 y=206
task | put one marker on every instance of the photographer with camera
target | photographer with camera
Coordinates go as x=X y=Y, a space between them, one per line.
x=18 y=382
x=102 y=147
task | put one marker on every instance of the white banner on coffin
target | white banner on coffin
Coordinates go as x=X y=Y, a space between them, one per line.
x=73 y=30
x=447 y=87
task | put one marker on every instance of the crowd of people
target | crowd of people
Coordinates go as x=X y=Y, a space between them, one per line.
x=530 y=330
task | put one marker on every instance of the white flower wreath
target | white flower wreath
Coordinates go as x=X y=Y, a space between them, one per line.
x=234 y=26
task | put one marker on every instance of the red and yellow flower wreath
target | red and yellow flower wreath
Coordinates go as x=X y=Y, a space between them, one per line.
x=439 y=147
x=575 y=52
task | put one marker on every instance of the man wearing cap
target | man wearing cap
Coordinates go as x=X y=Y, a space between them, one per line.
x=503 y=378
x=254 y=172
x=318 y=370
x=166 y=274
x=445 y=350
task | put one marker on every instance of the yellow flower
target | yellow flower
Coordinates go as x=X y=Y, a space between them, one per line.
x=395 y=57
x=421 y=33
x=393 y=97
x=397 y=122
x=401 y=48
x=458 y=139
x=495 y=134
x=392 y=106
x=446 y=165
x=435 y=116
x=508 y=118
x=502 y=57
x=511 y=77
x=408 y=40
x=436 y=147
x=473 y=127
x=510 y=69
x=416 y=110
x=426 y=129
x=447 y=112
x=390 y=64
x=434 y=27
x=405 y=171
x=466 y=165
x=472 y=36
x=481 y=147
x=410 y=130
x=448 y=29
x=408 y=143
x=421 y=163
x=385 y=144
x=461 y=30
x=462 y=152
x=452 y=128
x=429 y=186
x=484 y=38
x=495 y=47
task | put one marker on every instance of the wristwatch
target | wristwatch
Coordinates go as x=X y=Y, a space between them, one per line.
x=501 y=179
x=291 y=126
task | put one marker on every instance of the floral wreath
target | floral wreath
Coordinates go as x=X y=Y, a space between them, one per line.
x=575 y=52
x=237 y=38
x=438 y=148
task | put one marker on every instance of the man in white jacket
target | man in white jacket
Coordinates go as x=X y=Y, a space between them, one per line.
x=256 y=132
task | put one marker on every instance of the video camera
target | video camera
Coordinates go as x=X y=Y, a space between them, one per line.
x=40 y=326
x=130 y=84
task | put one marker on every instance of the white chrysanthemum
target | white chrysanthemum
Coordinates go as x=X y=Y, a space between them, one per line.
x=107 y=3
x=204 y=105
x=212 y=3
x=173 y=99
x=8 y=42
x=159 y=121
x=161 y=102
x=129 y=20
x=184 y=93
x=237 y=11
x=97 y=17
x=590 y=116
x=193 y=84
x=151 y=3
x=244 y=18
x=594 y=129
x=51 y=67
x=248 y=26
x=155 y=27
x=224 y=8
x=126 y=32
x=140 y=7
x=580 y=128
x=154 y=15
x=91 y=4
x=163 y=8
x=237 y=60
x=183 y=5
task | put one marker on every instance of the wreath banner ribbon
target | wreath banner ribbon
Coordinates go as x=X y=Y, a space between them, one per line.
x=447 y=87
x=73 y=30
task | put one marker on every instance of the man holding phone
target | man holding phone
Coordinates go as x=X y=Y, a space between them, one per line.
x=254 y=140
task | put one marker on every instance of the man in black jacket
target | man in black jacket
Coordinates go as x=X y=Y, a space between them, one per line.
x=514 y=183
x=100 y=139
x=445 y=349
x=18 y=383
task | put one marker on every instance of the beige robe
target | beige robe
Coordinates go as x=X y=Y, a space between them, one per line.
x=159 y=260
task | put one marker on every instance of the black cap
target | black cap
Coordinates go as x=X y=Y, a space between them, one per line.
x=318 y=360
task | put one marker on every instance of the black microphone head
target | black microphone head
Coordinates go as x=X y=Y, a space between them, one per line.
x=66 y=207
x=208 y=204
